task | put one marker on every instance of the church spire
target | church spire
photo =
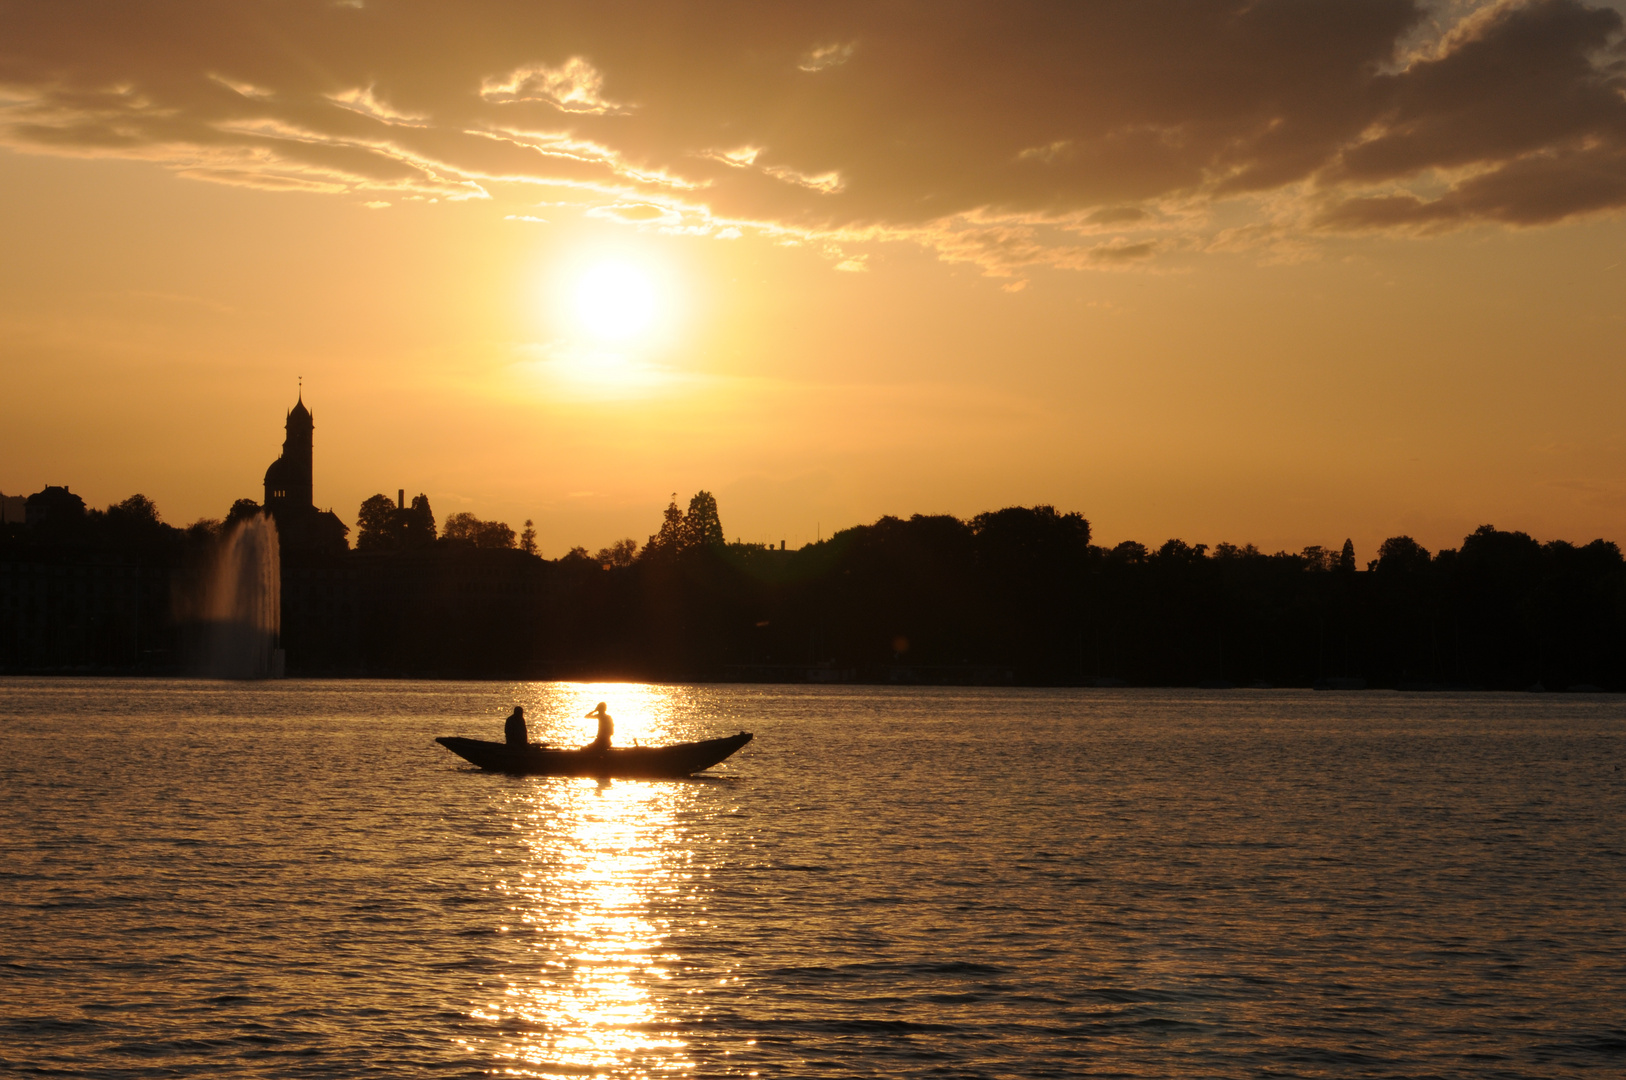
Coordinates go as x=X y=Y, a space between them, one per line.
x=300 y=413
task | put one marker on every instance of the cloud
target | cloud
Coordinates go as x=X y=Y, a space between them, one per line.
x=740 y=157
x=243 y=89
x=1116 y=215
x=575 y=86
x=362 y=100
x=562 y=145
x=1047 y=153
x=1123 y=253
x=827 y=183
x=821 y=57
x=998 y=135
x=638 y=213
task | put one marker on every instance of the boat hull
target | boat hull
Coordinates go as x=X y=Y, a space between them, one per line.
x=629 y=762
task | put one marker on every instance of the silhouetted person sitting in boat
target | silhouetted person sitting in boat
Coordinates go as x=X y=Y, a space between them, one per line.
x=514 y=728
x=606 y=728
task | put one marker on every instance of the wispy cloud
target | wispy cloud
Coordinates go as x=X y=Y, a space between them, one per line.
x=638 y=213
x=575 y=86
x=821 y=57
x=241 y=88
x=364 y=101
x=740 y=157
x=825 y=183
x=560 y=144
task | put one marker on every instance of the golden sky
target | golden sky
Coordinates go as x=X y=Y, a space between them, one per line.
x=1279 y=272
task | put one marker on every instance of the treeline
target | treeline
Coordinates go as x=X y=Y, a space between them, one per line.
x=1019 y=595
x=383 y=525
x=1022 y=594
x=91 y=589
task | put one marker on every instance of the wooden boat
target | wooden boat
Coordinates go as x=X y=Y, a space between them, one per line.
x=630 y=762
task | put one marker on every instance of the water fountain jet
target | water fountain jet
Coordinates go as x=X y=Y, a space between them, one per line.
x=232 y=611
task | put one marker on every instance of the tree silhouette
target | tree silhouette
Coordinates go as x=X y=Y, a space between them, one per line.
x=137 y=509
x=527 y=539
x=1130 y=552
x=668 y=542
x=468 y=530
x=377 y=524
x=241 y=510
x=1401 y=554
x=702 y=528
x=619 y=554
x=1317 y=557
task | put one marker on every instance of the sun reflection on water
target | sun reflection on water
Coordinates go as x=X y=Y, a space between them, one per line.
x=599 y=863
x=600 y=882
x=643 y=714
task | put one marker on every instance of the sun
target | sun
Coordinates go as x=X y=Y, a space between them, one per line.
x=615 y=301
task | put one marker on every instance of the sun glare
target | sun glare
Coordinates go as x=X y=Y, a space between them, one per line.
x=615 y=301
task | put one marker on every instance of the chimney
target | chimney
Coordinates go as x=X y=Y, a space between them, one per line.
x=400 y=498
x=781 y=545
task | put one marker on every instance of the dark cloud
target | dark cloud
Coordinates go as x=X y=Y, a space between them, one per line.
x=1121 y=253
x=992 y=132
x=1116 y=215
x=1526 y=103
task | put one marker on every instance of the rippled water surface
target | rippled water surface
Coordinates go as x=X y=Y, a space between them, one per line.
x=292 y=879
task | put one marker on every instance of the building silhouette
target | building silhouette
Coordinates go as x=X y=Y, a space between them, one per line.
x=13 y=509
x=288 y=486
x=290 y=490
x=55 y=506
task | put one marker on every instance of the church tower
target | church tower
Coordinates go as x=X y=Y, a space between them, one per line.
x=288 y=484
x=289 y=493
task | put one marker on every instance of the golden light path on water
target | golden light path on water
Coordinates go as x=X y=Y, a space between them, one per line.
x=596 y=859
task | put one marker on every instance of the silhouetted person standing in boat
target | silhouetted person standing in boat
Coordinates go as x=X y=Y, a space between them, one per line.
x=606 y=728
x=514 y=728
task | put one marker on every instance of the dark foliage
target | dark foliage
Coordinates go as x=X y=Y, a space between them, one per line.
x=466 y=530
x=241 y=510
x=1021 y=594
x=89 y=590
x=381 y=525
x=1015 y=595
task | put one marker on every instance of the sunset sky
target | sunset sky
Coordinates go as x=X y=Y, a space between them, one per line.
x=1279 y=272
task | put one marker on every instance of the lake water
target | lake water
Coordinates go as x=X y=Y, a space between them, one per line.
x=292 y=880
